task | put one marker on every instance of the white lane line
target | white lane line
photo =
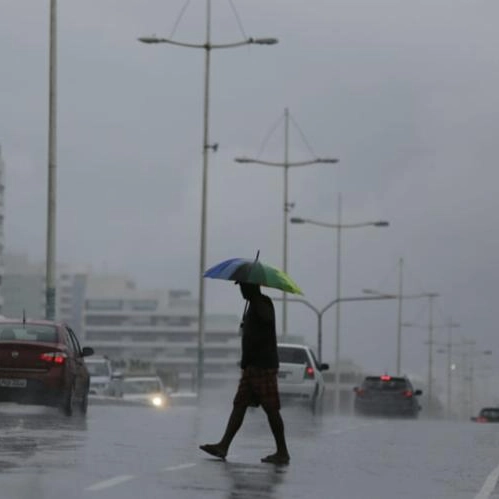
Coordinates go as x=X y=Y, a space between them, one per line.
x=489 y=485
x=109 y=483
x=180 y=467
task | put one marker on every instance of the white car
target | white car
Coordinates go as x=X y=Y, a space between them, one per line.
x=100 y=371
x=300 y=377
x=148 y=390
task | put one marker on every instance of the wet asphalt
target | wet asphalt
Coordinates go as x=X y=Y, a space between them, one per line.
x=140 y=452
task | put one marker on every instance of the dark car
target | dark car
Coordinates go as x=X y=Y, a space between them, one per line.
x=487 y=415
x=41 y=362
x=387 y=396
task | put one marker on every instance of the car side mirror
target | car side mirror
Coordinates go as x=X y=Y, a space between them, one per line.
x=473 y=418
x=324 y=367
x=87 y=351
x=355 y=389
x=417 y=393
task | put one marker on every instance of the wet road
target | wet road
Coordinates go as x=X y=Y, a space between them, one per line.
x=137 y=452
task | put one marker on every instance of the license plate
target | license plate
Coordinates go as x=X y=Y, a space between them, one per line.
x=282 y=374
x=13 y=383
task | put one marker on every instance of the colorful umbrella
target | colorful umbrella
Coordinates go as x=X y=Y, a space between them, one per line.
x=254 y=272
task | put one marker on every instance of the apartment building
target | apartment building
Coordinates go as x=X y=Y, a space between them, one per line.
x=158 y=330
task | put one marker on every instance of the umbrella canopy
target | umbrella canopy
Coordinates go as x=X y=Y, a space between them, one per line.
x=253 y=272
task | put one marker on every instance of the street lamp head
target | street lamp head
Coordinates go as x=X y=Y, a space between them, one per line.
x=242 y=160
x=264 y=41
x=297 y=220
x=407 y=324
x=370 y=292
x=381 y=223
x=149 y=39
x=328 y=160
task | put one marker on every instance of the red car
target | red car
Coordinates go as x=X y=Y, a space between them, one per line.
x=41 y=362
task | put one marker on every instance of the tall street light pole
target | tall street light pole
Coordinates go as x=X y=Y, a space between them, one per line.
x=50 y=269
x=430 y=352
x=399 y=314
x=448 y=351
x=450 y=326
x=208 y=46
x=339 y=227
x=471 y=354
x=286 y=165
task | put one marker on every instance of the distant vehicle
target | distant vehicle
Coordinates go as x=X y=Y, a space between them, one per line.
x=387 y=396
x=101 y=372
x=487 y=415
x=300 y=375
x=41 y=362
x=145 y=389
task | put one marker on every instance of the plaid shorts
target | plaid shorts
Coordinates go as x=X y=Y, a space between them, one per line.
x=258 y=386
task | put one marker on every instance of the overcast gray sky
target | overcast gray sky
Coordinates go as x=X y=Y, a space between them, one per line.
x=404 y=93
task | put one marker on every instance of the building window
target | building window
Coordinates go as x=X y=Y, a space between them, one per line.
x=103 y=321
x=104 y=304
x=149 y=305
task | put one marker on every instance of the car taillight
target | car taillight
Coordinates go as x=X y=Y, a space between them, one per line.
x=408 y=394
x=481 y=419
x=54 y=357
x=309 y=373
x=385 y=377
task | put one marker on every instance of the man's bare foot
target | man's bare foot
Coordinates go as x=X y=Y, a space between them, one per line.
x=281 y=459
x=214 y=450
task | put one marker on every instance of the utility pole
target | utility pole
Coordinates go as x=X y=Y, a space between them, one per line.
x=50 y=270
x=287 y=208
x=430 y=354
x=450 y=326
x=399 y=315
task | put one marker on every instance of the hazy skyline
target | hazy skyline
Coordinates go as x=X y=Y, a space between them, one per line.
x=404 y=94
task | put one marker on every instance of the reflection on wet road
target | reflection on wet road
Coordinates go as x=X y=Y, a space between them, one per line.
x=138 y=452
x=30 y=436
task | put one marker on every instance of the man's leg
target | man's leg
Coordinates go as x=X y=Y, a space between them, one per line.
x=277 y=426
x=235 y=421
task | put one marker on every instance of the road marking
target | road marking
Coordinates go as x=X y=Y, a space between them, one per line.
x=489 y=485
x=109 y=483
x=180 y=467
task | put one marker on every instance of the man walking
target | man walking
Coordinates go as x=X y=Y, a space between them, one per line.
x=258 y=383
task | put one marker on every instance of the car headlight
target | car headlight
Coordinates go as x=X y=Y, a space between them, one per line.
x=158 y=401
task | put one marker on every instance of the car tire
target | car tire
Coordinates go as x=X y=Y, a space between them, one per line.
x=68 y=401
x=316 y=403
x=84 y=403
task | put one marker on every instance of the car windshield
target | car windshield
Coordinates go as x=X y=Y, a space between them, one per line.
x=292 y=355
x=28 y=332
x=98 y=368
x=385 y=384
x=137 y=386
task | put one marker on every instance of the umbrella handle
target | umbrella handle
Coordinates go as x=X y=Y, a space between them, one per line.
x=247 y=302
x=241 y=324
